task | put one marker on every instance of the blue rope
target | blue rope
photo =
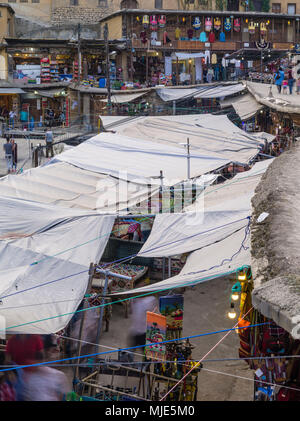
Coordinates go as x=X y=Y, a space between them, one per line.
x=133 y=347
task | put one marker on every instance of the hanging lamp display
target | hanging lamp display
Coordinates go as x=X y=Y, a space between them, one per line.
x=197 y=23
x=227 y=24
x=153 y=22
x=263 y=28
x=162 y=21
x=237 y=24
x=251 y=27
x=217 y=24
x=146 y=21
x=208 y=24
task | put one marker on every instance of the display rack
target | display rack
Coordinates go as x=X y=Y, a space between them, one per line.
x=45 y=70
x=54 y=71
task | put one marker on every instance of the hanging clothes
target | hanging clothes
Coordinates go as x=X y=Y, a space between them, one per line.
x=207 y=56
x=208 y=24
x=203 y=37
x=222 y=37
x=190 y=33
x=214 y=59
x=177 y=33
x=227 y=24
x=153 y=38
x=211 y=37
x=166 y=38
x=143 y=36
x=198 y=68
x=197 y=23
x=168 y=66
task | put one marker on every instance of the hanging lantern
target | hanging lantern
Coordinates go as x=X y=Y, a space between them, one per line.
x=237 y=24
x=251 y=27
x=162 y=21
x=263 y=28
x=227 y=24
x=183 y=19
x=208 y=24
x=137 y=18
x=197 y=23
x=217 y=24
x=146 y=21
x=153 y=22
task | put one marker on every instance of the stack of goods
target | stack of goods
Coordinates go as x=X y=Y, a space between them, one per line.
x=54 y=71
x=75 y=70
x=45 y=70
x=265 y=77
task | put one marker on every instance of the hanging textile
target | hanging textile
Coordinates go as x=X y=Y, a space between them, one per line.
x=217 y=24
x=155 y=333
x=145 y=21
x=168 y=66
x=171 y=306
x=198 y=68
x=208 y=24
x=214 y=59
x=227 y=24
x=237 y=25
x=222 y=37
x=211 y=37
x=177 y=33
x=197 y=23
x=190 y=33
x=251 y=28
x=203 y=37
x=162 y=21
x=153 y=23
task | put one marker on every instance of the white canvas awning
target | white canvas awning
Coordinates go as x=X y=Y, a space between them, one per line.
x=41 y=248
x=208 y=135
x=138 y=160
x=68 y=186
x=245 y=106
x=187 y=56
x=215 y=261
x=7 y=91
x=205 y=91
x=218 y=212
x=124 y=98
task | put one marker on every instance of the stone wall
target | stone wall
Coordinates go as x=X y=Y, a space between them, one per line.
x=87 y=15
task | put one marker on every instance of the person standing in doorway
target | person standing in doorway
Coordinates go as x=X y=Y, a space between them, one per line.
x=8 y=154
x=49 y=143
x=279 y=77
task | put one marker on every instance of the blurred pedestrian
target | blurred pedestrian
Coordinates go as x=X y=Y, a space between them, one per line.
x=8 y=154
x=49 y=142
x=291 y=81
x=14 y=155
x=22 y=349
x=279 y=77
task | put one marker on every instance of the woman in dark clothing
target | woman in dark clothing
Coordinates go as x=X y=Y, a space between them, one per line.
x=290 y=81
x=14 y=155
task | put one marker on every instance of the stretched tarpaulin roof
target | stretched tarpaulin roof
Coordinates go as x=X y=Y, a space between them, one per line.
x=206 y=91
x=124 y=98
x=61 y=242
x=218 y=212
x=137 y=160
x=208 y=135
x=68 y=186
x=245 y=106
x=210 y=262
x=51 y=93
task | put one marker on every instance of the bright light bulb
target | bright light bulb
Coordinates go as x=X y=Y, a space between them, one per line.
x=232 y=314
x=242 y=277
x=235 y=296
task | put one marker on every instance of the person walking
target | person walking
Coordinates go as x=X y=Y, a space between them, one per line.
x=291 y=81
x=12 y=116
x=279 y=77
x=8 y=154
x=49 y=143
x=14 y=155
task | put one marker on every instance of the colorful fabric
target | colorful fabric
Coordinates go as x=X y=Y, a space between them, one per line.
x=156 y=327
x=171 y=306
x=7 y=392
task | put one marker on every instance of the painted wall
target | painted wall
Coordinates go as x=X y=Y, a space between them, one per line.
x=7 y=27
x=33 y=10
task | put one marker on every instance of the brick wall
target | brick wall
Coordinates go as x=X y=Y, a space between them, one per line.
x=84 y=15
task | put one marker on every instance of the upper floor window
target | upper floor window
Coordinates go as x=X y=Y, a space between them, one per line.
x=291 y=8
x=276 y=7
x=158 y=4
x=35 y=1
x=73 y=2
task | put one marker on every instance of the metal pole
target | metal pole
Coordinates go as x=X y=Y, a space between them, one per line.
x=79 y=71
x=174 y=107
x=261 y=53
x=107 y=69
x=169 y=267
x=188 y=159
x=91 y=274
x=101 y=311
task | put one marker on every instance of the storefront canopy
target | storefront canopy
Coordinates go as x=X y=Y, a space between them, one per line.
x=7 y=91
x=41 y=248
x=187 y=56
x=205 y=91
x=218 y=212
x=245 y=106
x=51 y=93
